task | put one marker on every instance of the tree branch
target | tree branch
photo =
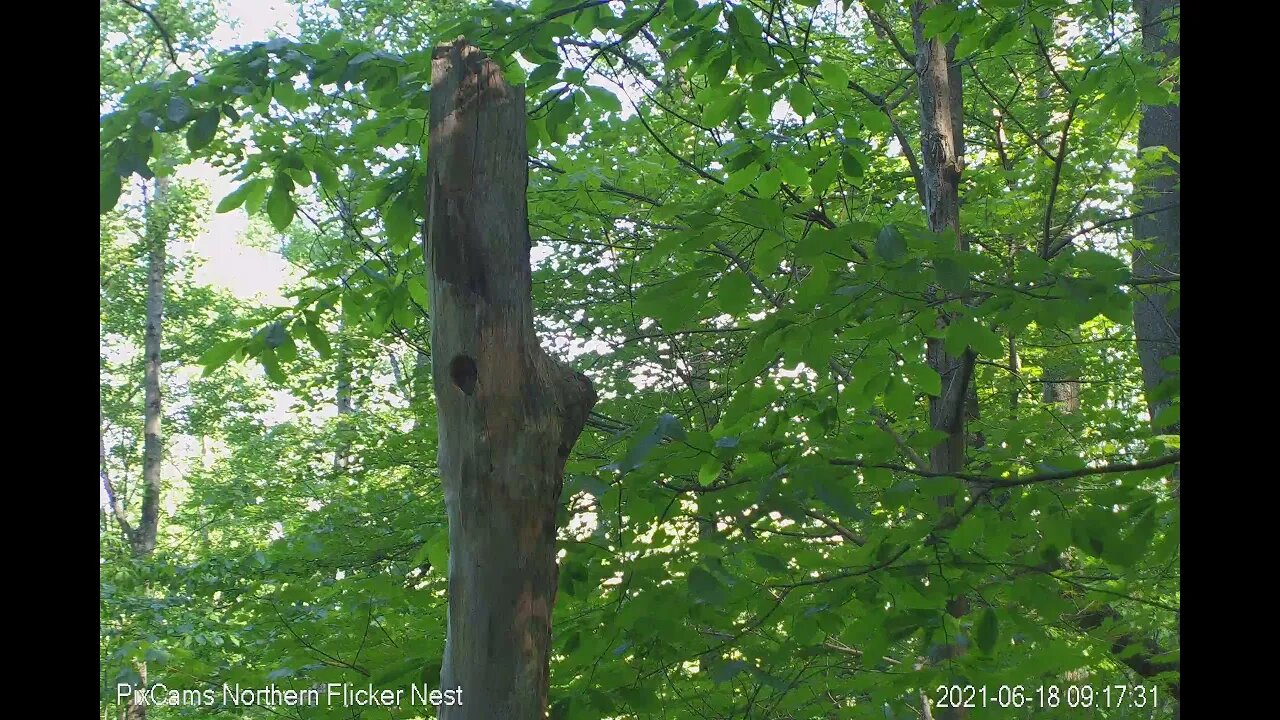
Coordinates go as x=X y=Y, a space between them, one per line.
x=1169 y=459
x=117 y=509
x=164 y=34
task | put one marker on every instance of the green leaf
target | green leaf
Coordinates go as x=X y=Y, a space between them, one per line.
x=891 y=245
x=559 y=115
x=748 y=25
x=987 y=632
x=1126 y=101
x=709 y=471
x=951 y=275
x=327 y=176
x=280 y=207
x=543 y=74
x=318 y=340
x=876 y=122
x=418 y=292
x=927 y=379
x=769 y=182
x=814 y=287
x=834 y=76
x=255 y=194
x=586 y=21
x=760 y=105
x=397 y=670
x=202 y=130
x=238 y=196
x=706 y=588
x=718 y=110
x=669 y=426
x=938 y=19
x=825 y=175
x=438 y=550
x=217 y=356
x=801 y=99
x=741 y=179
x=109 y=191
x=272 y=366
x=964 y=536
x=793 y=172
x=965 y=332
x=637 y=453
x=178 y=111
x=853 y=164
x=1002 y=28
x=718 y=68
x=724 y=672
x=604 y=98
x=1150 y=92
x=734 y=292
x=399 y=221
x=1167 y=415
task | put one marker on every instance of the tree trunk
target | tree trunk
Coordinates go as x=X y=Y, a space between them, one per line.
x=508 y=414
x=1156 y=317
x=143 y=537
x=1156 y=313
x=1062 y=385
x=942 y=152
x=152 y=444
x=941 y=161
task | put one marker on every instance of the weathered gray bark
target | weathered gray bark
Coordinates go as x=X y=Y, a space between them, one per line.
x=142 y=537
x=508 y=414
x=152 y=442
x=1063 y=393
x=1156 y=315
x=941 y=164
x=1062 y=386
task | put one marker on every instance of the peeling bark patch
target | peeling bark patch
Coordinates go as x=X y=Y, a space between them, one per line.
x=463 y=370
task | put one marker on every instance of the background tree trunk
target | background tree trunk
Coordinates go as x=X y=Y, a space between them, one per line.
x=142 y=538
x=1062 y=386
x=152 y=444
x=1156 y=316
x=1156 y=313
x=508 y=414
x=941 y=163
x=942 y=152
